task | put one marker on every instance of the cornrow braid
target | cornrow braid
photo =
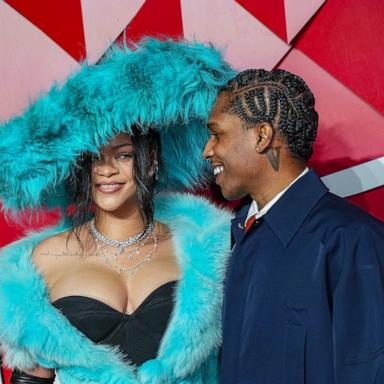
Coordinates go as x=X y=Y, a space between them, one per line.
x=279 y=98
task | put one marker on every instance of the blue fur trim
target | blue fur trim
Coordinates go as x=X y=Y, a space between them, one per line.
x=169 y=85
x=33 y=332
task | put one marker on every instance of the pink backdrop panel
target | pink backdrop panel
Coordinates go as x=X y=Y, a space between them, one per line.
x=297 y=13
x=54 y=19
x=29 y=61
x=103 y=23
x=248 y=43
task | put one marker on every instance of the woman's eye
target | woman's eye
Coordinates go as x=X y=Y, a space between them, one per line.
x=96 y=157
x=215 y=136
x=124 y=156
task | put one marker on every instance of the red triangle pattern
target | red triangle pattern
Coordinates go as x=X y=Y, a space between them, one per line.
x=13 y=230
x=271 y=13
x=371 y=201
x=62 y=21
x=6 y=375
x=156 y=20
x=344 y=38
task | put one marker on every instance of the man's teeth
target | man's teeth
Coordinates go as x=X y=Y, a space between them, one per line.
x=218 y=170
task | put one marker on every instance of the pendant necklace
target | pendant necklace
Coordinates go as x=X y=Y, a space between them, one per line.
x=119 y=244
x=134 y=254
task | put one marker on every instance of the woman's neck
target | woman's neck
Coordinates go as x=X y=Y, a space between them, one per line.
x=118 y=226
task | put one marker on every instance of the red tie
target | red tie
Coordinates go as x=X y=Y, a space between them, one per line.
x=249 y=222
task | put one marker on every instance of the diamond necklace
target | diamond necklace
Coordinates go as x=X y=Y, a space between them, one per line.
x=145 y=235
x=148 y=257
x=119 y=244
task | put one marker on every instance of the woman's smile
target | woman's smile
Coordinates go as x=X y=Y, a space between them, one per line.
x=109 y=187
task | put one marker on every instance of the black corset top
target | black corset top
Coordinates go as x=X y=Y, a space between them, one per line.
x=138 y=335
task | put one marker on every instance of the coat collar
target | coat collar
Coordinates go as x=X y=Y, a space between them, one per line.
x=286 y=216
x=34 y=332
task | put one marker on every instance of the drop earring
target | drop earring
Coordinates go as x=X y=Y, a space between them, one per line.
x=156 y=169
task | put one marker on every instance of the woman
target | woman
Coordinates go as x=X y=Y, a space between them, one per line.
x=129 y=291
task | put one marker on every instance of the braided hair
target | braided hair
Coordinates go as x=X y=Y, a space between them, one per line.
x=279 y=98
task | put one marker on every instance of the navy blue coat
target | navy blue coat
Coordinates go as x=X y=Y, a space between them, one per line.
x=304 y=295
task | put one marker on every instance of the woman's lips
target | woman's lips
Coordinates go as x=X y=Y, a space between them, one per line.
x=109 y=188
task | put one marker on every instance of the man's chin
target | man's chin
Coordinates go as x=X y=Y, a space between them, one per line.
x=232 y=195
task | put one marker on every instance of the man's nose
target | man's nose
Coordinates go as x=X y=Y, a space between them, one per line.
x=208 y=150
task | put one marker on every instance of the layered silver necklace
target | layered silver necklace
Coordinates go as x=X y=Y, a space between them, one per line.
x=119 y=244
x=138 y=240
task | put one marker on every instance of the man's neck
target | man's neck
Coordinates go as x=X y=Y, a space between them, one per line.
x=275 y=183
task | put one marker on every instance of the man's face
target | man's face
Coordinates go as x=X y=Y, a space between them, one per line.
x=231 y=149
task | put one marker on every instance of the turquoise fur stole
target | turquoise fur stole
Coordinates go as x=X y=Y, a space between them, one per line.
x=33 y=332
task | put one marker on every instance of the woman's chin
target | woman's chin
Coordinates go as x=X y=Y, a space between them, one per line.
x=116 y=205
x=110 y=206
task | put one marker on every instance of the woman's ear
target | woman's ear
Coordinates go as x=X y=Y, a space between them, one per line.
x=154 y=171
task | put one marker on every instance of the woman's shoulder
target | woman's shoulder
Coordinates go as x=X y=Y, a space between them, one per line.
x=44 y=254
x=49 y=251
x=56 y=240
x=49 y=245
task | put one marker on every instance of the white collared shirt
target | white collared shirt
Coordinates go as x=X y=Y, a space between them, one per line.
x=254 y=209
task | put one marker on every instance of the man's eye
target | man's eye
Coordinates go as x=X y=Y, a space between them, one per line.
x=215 y=136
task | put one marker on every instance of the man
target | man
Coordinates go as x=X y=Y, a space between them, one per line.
x=304 y=296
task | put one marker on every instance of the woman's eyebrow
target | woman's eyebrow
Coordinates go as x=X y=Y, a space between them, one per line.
x=117 y=146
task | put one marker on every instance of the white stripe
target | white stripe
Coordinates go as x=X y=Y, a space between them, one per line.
x=357 y=179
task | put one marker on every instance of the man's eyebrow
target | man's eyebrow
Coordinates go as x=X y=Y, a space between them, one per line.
x=212 y=125
x=117 y=146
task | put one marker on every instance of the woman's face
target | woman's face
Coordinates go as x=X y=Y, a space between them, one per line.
x=113 y=184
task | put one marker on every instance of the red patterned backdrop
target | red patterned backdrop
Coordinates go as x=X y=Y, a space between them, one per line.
x=334 y=45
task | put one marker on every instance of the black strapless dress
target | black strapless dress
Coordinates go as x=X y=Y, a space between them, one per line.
x=138 y=335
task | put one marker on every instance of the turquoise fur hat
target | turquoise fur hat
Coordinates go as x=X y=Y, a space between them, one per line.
x=167 y=85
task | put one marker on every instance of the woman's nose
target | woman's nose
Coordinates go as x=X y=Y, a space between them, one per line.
x=106 y=167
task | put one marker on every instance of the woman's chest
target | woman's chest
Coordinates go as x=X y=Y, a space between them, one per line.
x=121 y=291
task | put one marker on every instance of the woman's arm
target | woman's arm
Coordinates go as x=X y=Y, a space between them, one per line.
x=42 y=372
x=37 y=375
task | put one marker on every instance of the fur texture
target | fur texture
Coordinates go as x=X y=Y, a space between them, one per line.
x=169 y=85
x=33 y=332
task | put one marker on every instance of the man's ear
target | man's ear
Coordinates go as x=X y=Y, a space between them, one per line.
x=263 y=135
